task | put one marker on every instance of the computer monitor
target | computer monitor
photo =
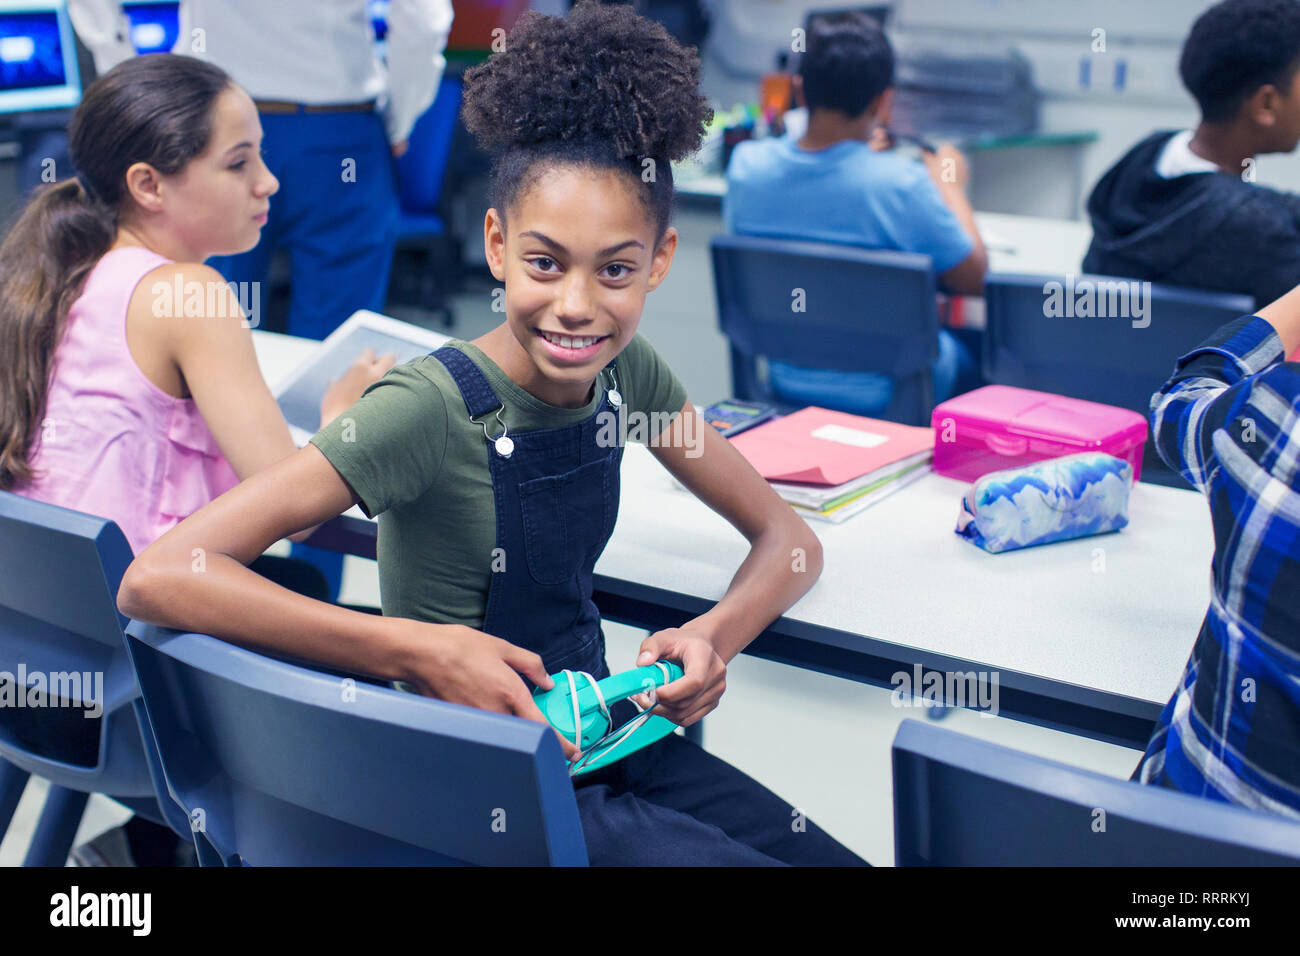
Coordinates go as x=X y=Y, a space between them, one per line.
x=880 y=12
x=154 y=26
x=38 y=57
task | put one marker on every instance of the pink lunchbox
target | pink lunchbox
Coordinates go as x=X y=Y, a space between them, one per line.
x=998 y=427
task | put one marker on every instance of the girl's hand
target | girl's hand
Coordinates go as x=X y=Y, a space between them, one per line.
x=698 y=691
x=465 y=666
x=341 y=394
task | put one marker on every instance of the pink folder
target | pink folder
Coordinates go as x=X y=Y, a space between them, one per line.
x=818 y=446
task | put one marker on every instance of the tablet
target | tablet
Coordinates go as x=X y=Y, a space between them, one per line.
x=301 y=392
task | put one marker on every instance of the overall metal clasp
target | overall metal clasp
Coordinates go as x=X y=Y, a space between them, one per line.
x=503 y=443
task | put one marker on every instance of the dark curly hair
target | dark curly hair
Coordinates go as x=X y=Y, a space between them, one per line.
x=604 y=88
x=1235 y=48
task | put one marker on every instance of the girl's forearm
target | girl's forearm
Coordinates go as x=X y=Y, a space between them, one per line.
x=215 y=594
x=1284 y=314
x=783 y=563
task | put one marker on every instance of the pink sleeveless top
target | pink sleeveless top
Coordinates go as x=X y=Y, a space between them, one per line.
x=113 y=443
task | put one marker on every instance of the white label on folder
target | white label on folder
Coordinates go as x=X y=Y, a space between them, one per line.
x=850 y=436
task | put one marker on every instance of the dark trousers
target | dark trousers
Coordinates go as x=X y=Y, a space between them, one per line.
x=336 y=214
x=675 y=804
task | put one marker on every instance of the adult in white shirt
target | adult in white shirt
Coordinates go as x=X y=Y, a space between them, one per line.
x=334 y=117
x=305 y=70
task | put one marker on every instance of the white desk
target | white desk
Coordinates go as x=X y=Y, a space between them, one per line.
x=1096 y=652
x=1023 y=244
x=1028 y=244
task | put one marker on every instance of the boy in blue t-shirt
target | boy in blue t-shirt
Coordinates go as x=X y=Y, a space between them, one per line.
x=833 y=185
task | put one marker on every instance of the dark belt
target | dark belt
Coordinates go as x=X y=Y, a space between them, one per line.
x=285 y=106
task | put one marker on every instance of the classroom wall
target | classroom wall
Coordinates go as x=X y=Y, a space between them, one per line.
x=1142 y=44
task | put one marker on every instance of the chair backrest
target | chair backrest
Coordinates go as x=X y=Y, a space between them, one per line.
x=1120 y=353
x=278 y=764
x=422 y=167
x=828 y=306
x=60 y=629
x=960 y=801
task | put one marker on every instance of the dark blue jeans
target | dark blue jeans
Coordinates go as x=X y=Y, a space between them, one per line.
x=336 y=215
x=675 y=804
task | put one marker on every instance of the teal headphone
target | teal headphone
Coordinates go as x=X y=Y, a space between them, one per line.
x=578 y=707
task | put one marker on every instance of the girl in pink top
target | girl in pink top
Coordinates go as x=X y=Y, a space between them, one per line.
x=111 y=441
x=129 y=387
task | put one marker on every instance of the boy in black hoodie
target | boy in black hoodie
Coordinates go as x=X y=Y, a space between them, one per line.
x=1182 y=207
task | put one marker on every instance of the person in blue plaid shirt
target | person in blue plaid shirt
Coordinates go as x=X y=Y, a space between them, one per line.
x=1229 y=420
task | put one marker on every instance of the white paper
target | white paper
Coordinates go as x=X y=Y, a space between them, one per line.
x=850 y=436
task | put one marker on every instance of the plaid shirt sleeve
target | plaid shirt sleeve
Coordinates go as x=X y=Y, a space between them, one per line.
x=1209 y=388
x=1229 y=421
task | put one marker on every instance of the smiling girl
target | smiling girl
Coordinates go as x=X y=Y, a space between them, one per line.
x=494 y=495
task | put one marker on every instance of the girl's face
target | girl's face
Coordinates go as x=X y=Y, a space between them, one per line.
x=577 y=264
x=218 y=202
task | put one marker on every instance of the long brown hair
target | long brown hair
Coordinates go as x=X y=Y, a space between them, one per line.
x=153 y=109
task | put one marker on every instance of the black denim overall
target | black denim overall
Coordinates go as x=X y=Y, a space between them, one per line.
x=556 y=496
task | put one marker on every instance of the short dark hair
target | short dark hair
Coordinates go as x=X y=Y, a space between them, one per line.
x=1236 y=47
x=847 y=64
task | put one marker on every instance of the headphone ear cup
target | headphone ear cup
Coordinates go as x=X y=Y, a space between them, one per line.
x=594 y=726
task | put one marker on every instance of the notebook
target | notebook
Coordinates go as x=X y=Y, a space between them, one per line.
x=851 y=504
x=826 y=497
x=821 y=447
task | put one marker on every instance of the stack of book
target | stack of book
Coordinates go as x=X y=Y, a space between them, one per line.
x=830 y=465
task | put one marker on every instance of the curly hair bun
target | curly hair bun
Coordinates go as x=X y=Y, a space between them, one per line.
x=604 y=77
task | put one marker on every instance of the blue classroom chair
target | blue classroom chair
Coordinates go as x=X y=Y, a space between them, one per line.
x=282 y=765
x=961 y=801
x=427 y=256
x=1099 y=359
x=864 y=311
x=422 y=167
x=59 y=574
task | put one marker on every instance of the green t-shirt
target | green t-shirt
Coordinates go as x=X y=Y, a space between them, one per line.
x=410 y=452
